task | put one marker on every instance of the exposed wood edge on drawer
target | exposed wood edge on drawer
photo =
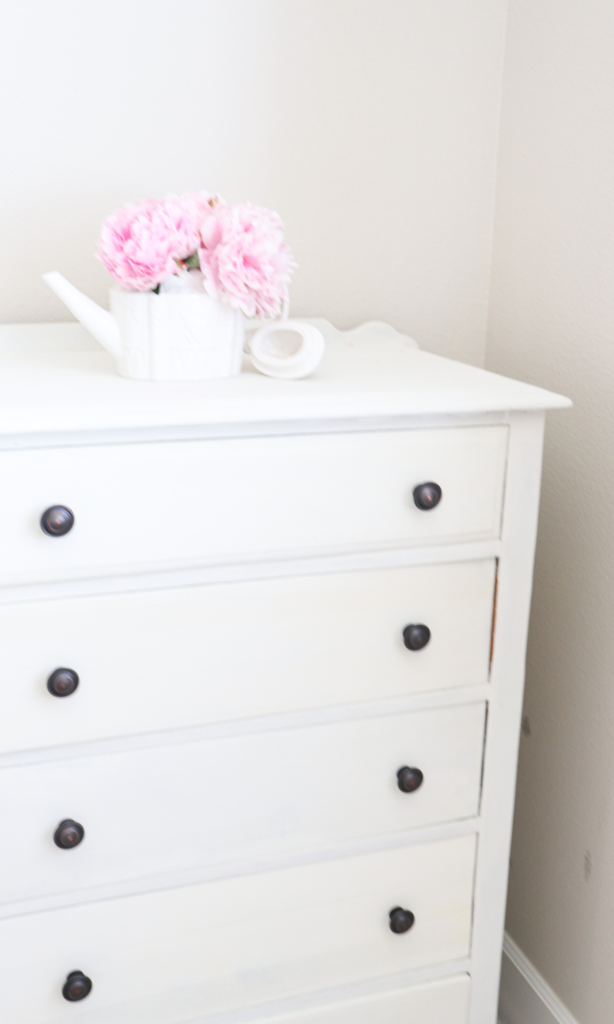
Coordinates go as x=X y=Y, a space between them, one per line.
x=180 y=879
x=214 y=431
x=264 y=723
x=252 y=570
x=377 y=986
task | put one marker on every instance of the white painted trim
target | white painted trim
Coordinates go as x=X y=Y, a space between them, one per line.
x=197 y=876
x=251 y=568
x=427 y=701
x=340 y=994
x=205 y=432
x=525 y=997
x=513 y=604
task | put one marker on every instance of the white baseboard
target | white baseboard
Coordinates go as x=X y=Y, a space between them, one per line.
x=525 y=997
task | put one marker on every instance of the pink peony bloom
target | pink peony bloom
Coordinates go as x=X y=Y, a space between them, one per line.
x=139 y=245
x=244 y=259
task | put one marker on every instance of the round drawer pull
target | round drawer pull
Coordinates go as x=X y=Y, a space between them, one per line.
x=426 y=496
x=409 y=779
x=57 y=520
x=68 y=834
x=62 y=682
x=401 y=920
x=416 y=636
x=77 y=986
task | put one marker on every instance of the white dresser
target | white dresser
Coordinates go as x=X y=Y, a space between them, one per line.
x=262 y=665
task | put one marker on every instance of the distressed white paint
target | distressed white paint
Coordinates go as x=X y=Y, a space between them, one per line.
x=239 y=941
x=139 y=507
x=224 y=652
x=218 y=804
x=304 y=915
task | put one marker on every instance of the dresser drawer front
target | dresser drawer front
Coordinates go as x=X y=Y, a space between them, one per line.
x=170 y=658
x=175 y=955
x=202 y=502
x=437 y=1002
x=230 y=802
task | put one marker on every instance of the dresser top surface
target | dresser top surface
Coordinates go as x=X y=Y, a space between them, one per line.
x=55 y=377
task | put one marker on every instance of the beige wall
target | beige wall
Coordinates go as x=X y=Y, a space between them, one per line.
x=552 y=323
x=369 y=124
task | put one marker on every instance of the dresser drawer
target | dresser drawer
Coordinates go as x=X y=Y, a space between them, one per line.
x=235 y=801
x=437 y=1002
x=178 y=954
x=150 y=506
x=170 y=658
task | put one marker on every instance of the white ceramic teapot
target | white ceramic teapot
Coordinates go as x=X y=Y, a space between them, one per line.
x=180 y=334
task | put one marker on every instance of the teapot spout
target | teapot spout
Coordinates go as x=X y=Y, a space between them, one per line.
x=97 y=320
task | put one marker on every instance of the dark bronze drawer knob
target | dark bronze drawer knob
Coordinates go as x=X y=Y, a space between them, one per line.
x=416 y=636
x=401 y=920
x=426 y=496
x=68 y=834
x=77 y=986
x=409 y=779
x=62 y=682
x=57 y=520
